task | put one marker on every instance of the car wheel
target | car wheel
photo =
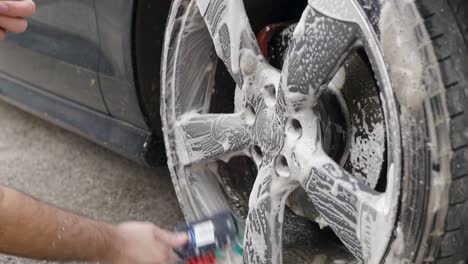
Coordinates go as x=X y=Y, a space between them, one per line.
x=341 y=137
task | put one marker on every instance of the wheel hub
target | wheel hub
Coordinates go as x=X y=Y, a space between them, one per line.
x=269 y=132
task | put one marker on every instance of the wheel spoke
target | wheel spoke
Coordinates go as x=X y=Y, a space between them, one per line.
x=232 y=35
x=210 y=136
x=264 y=224
x=316 y=52
x=351 y=208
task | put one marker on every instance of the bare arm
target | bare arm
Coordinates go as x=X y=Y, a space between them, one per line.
x=33 y=229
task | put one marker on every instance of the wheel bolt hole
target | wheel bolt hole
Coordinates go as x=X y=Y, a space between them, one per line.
x=270 y=94
x=294 y=128
x=281 y=166
x=257 y=154
x=271 y=90
x=250 y=114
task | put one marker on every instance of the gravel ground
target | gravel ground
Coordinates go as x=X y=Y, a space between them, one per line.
x=70 y=172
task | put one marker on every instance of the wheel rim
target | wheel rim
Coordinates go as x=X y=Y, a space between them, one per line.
x=279 y=120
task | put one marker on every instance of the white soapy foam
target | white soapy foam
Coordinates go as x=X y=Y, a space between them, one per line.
x=408 y=68
x=367 y=153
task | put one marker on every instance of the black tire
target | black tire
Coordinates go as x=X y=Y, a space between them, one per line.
x=447 y=24
x=433 y=221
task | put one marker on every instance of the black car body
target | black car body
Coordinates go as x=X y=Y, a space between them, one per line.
x=92 y=67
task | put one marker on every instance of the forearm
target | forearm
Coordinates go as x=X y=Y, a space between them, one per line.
x=33 y=229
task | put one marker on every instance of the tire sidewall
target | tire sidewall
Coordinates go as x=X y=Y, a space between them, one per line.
x=424 y=129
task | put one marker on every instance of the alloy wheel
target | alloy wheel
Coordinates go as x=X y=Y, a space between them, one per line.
x=278 y=125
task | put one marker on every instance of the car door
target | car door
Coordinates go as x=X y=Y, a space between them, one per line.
x=59 y=53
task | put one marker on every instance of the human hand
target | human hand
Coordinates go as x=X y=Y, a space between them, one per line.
x=13 y=14
x=144 y=243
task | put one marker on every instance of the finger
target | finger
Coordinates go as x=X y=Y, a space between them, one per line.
x=169 y=238
x=13 y=24
x=166 y=256
x=3 y=8
x=2 y=34
x=173 y=258
x=24 y=8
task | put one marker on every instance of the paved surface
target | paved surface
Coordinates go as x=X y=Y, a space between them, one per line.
x=70 y=172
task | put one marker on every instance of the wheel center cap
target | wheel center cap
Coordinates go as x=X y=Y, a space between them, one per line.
x=269 y=131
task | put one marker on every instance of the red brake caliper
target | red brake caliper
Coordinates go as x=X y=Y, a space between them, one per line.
x=273 y=43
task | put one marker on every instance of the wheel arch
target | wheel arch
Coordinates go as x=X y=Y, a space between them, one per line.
x=149 y=24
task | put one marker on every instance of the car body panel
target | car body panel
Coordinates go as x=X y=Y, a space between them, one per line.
x=75 y=66
x=116 y=72
x=57 y=54
x=120 y=137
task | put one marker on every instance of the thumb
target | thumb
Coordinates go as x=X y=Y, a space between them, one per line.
x=171 y=239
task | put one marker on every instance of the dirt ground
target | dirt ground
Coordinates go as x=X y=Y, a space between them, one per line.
x=70 y=172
